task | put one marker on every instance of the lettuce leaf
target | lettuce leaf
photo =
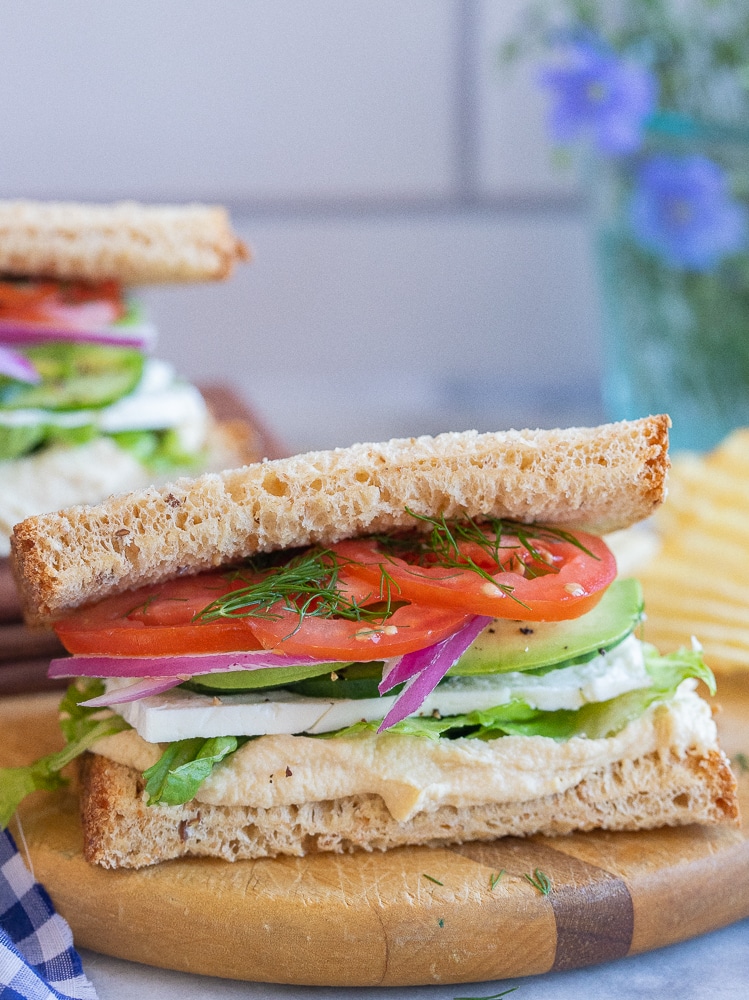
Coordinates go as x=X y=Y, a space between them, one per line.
x=82 y=727
x=183 y=767
x=159 y=451
x=594 y=720
x=185 y=764
x=16 y=441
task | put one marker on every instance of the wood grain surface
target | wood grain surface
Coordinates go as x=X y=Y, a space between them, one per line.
x=408 y=917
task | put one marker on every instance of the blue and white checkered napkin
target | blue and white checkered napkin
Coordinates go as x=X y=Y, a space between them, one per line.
x=37 y=957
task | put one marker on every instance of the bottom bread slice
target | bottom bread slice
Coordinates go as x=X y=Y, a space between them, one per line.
x=121 y=831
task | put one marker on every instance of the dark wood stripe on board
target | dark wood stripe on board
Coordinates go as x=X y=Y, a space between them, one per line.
x=592 y=907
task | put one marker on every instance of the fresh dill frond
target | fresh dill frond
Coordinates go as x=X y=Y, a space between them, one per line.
x=432 y=879
x=307 y=584
x=491 y=996
x=540 y=881
x=495 y=877
x=444 y=545
x=143 y=606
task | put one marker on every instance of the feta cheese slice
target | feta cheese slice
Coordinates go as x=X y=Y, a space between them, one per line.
x=181 y=714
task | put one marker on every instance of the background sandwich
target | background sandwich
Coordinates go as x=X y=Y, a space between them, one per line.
x=86 y=410
x=409 y=643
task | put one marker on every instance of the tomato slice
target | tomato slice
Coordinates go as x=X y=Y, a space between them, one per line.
x=558 y=580
x=71 y=303
x=409 y=627
x=562 y=582
x=158 y=621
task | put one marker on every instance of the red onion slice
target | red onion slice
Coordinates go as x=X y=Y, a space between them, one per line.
x=17 y=366
x=424 y=669
x=140 y=689
x=171 y=666
x=139 y=335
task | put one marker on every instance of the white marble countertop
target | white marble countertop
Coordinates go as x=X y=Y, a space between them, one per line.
x=712 y=967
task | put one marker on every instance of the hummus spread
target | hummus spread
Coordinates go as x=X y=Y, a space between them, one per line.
x=414 y=773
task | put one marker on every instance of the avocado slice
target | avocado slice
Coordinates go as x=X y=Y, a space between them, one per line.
x=503 y=646
x=506 y=645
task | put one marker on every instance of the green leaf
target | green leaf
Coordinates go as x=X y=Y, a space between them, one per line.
x=18 y=782
x=595 y=720
x=19 y=440
x=82 y=727
x=159 y=450
x=184 y=766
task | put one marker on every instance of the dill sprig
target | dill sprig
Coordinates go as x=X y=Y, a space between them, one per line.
x=441 y=542
x=491 y=996
x=308 y=584
x=495 y=877
x=540 y=881
x=432 y=879
x=441 y=546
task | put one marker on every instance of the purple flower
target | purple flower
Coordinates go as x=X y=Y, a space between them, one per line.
x=682 y=210
x=599 y=93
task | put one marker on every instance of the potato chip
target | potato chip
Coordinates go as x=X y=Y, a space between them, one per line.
x=696 y=577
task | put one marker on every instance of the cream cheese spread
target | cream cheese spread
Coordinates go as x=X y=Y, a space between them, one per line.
x=413 y=774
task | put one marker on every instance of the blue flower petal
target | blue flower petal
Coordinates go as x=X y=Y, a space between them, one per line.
x=682 y=210
x=597 y=92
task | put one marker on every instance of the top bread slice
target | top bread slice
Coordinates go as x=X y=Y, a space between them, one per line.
x=598 y=478
x=126 y=242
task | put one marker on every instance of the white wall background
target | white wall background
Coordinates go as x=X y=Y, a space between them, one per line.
x=420 y=264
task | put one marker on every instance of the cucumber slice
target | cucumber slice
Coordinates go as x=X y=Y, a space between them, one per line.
x=239 y=681
x=18 y=440
x=76 y=376
x=360 y=680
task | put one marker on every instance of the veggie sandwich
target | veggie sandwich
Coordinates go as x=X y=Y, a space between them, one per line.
x=86 y=410
x=416 y=642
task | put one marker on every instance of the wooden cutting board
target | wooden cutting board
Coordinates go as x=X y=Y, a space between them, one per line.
x=408 y=917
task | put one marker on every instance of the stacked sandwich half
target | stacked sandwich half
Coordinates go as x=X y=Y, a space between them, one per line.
x=85 y=410
x=417 y=642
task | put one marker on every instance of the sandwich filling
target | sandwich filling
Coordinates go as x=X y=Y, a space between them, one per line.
x=460 y=663
x=84 y=410
x=412 y=774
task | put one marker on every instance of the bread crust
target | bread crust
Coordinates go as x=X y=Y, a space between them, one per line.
x=597 y=478
x=128 y=242
x=121 y=831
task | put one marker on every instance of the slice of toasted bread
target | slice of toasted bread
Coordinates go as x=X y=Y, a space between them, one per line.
x=127 y=242
x=596 y=478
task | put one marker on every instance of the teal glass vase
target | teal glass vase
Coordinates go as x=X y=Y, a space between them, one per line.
x=675 y=338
